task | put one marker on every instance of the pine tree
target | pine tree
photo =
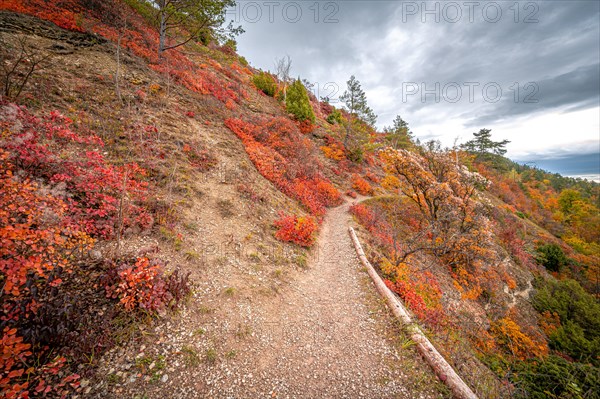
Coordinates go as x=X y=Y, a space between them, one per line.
x=399 y=135
x=483 y=144
x=298 y=102
x=356 y=102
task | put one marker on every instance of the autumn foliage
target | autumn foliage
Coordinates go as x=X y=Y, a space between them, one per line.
x=142 y=284
x=333 y=149
x=361 y=185
x=452 y=224
x=299 y=230
x=285 y=157
x=520 y=345
x=37 y=246
x=49 y=149
x=59 y=195
x=118 y=22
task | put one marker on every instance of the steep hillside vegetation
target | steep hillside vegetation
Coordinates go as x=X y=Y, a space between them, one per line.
x=158 y=213
x=489 y=283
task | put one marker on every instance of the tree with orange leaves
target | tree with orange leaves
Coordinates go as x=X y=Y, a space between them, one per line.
x=452 y=224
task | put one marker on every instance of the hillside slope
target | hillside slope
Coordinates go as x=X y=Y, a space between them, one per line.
x=248 y=326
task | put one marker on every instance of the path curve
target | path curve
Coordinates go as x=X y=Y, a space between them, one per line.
x=320 y=338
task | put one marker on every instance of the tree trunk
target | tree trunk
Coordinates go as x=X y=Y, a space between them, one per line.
x=162 y=33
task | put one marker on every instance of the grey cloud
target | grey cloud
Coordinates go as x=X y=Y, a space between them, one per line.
x=576 y=90
x=372 y=41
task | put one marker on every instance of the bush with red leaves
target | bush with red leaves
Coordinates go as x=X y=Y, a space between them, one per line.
x=299 y=230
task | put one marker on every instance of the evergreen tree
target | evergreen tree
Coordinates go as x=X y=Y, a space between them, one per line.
x=298 y=102
x=483 y=144
x=398 y=135
x=356 y=102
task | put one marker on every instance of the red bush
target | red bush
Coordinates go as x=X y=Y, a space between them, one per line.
x=299 y=230
x=37 y=247
x=142 y=284
x=285 y=158
x=50 y=150
x=373 y=177
x=306 y=126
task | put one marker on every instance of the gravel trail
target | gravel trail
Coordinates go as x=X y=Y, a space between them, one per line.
x=321 y=338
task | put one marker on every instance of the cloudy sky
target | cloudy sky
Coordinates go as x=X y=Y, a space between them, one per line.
x=530 y=71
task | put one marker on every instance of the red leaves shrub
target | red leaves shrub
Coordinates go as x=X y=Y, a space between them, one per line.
x=143 y=285
x=422 y=294
x=36 y=241
x=286 y=158
x=361 y=185
x=14 y=354
x=299 y=230
x=413 y=300
x=75 y=169
x=351 y=194
x=64 y=16
x=19 y=381
x=364 y=215
x=45 y=228
x=36 y=247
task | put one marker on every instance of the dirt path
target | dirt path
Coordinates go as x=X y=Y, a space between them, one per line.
x=325 y=334
x=321 y=338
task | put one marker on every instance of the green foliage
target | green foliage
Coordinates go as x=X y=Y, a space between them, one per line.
x=570 y=338
x=335 y=117
x=298 y=102
x=356 y=154
x=265 y=83
x=181 y=21
x=144 y=8
x=552 y=257
x=356 y=102
x=398 y=135
x=483 y=144
x=579 y=333
x=567 y=200
x=231 y=44
x=555 y=377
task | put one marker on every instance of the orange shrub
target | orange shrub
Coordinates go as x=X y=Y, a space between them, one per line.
x=299 y=230
x=333 y=152
x=143 y=285
x=361 y=185
x=509 y=336
x=306 y=126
